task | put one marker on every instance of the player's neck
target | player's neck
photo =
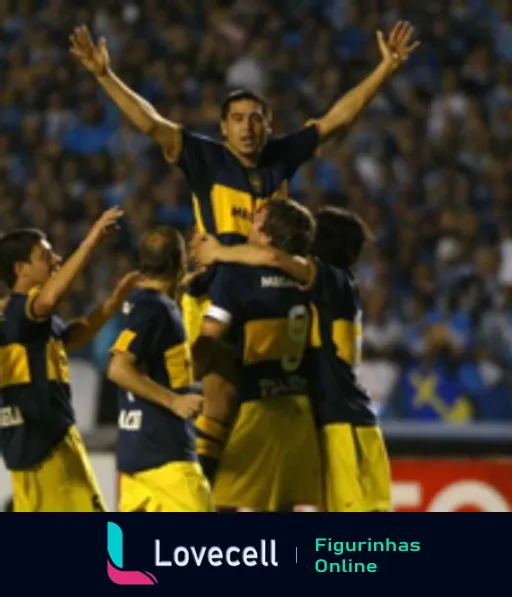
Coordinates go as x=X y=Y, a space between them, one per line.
x=164 y=286
x=246 y=161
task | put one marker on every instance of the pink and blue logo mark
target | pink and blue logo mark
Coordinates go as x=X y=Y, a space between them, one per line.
x=115 y=570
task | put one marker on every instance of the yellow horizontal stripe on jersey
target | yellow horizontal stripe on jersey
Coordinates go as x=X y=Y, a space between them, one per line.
x=57 y=364
x=14 y=365
x=347 y=337
x=233 y=210
x=275 y=340
x=178 y=364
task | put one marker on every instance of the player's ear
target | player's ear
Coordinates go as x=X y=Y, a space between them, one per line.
x=269 y=123
x=223 y=128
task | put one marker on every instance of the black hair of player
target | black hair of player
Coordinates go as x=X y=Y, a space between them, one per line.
x=290 y=226
x=17 y=246
x=340 y=236
x=239 y=95
x=162 y=253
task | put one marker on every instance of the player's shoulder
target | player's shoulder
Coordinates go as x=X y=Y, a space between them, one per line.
x=149 y=304
x=277 y=145
x=332 y=281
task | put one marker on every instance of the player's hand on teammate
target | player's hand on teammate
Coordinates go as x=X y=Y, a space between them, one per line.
x=125 y=285
x=94 y=57
x=187 y=406
x=204 y=248
x=104 y=225
x=397 y=47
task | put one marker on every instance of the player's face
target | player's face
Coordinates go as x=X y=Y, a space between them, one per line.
x=246 y=128
x=43 y=263
x=257 y=235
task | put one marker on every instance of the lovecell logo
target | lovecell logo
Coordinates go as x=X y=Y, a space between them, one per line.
x=115 y=561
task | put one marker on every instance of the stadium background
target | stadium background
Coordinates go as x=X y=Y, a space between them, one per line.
x=428 y=166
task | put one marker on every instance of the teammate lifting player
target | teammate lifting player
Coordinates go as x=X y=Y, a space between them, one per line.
x=355 y=462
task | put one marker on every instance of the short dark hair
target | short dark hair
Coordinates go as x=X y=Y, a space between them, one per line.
x=162 y=253
x=16 y=246
x=290 y=226
x=239 y=95
x=340 y=236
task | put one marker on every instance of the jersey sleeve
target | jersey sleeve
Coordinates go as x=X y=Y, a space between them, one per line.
x=295 y=149
x=329 y=280
x=226 y=300
x=198 y=156
x=141 y=334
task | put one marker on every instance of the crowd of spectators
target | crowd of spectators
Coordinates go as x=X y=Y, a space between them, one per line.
x=428 y=165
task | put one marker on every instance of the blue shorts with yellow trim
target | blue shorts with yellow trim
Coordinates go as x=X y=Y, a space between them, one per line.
x=63 y=482
x=172 y=487
x=271 y=461
x=356 y=471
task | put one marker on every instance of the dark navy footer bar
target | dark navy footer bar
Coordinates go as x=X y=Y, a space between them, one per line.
x=189 y=554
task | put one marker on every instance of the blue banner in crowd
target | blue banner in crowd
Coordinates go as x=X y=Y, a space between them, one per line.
x=193 y=554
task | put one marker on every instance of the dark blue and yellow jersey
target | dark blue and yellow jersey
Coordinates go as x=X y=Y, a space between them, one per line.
x=336 y=349
x=269 y=320
x=35 y=395
x=225 y=193
x=150 y=435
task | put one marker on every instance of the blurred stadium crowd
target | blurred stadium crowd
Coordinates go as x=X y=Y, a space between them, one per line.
x=428 y=165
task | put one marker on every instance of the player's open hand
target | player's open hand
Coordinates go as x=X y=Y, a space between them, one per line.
x=397 y=48
x=204 y=249
x=93 y=57
x=106 y=224
x=187 y=406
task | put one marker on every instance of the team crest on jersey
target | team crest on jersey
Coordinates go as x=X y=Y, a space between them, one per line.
x=255 y=182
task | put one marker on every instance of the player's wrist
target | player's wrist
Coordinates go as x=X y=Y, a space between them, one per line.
x=104 y=74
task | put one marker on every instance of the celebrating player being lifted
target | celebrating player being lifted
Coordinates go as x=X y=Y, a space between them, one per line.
x=230 y=180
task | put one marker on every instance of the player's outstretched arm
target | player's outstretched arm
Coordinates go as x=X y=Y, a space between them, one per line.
x=59 y=284
x=142 y=114
x=394 y=52
x=81 y=332
x=207 y=250
x=122 y=371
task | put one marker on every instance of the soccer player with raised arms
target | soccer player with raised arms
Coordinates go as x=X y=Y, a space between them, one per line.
x=40 y=443
x=231 y=180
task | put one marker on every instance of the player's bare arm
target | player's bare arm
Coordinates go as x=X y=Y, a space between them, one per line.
x=59 y=284
x=205 y=347
x=95 y=58
x=394 y=52
x=82 y=331
x=123 y=372
x=206 y=250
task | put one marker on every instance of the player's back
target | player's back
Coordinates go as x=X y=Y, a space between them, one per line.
x=35 y=395
x=336 y=339
x=355 y=464
x=270 y=333
x=271 y=460
x=150 y=435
